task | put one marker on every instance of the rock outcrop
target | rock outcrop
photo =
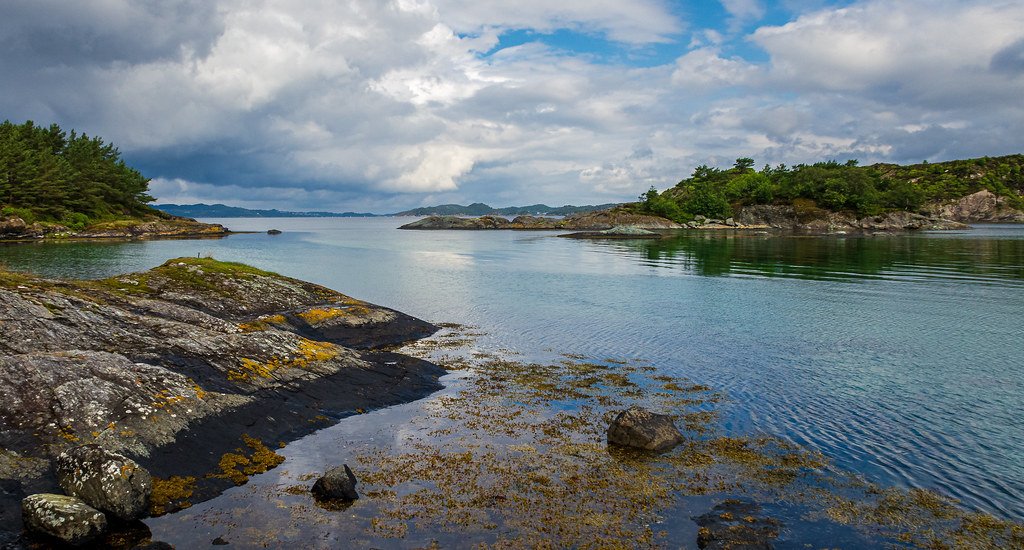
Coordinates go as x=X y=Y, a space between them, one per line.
x=107 y=481
x=65 y=518
x=643 y=429
x=178 y=367
x=338 y=483
x=983 y=206
x=823 y=221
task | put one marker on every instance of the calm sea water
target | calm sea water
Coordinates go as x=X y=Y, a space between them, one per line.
x=898 y=356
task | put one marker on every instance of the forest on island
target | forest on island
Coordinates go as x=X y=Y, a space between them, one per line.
x=830 y=185
x=49 y=175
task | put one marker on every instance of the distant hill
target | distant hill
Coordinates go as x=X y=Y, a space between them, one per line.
x=223 y=211
x=481 y=209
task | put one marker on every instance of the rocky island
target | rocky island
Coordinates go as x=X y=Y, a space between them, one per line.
x=195 y=370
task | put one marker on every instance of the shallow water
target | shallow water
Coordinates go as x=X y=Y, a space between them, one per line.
x=898 y=356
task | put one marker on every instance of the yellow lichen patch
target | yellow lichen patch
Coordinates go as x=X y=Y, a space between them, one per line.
x=67 y=434
x=172 y=493
x=262 y=323
x=317 y=315
x=165 y=398
x=237 y=467
x=307 y=352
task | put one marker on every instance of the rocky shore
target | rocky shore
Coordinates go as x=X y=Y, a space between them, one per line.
x=13 y=228
x=195 y=369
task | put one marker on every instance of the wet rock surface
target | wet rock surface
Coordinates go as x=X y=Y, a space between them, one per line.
x=179 y=367
x=643 y=429
x=106 y=481
x=65 y=518
x=617 y=232
x=338 y=483
x=736 y=525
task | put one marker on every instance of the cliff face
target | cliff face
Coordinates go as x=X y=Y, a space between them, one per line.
x=15 y=229
x=173 y=366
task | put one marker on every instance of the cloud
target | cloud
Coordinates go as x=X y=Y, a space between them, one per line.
x=705 y=69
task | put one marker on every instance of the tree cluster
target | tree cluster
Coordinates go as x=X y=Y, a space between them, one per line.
x=864 y=190
x=49 y=175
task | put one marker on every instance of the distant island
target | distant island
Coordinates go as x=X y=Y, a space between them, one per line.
x=481 y=209
x=201 y=210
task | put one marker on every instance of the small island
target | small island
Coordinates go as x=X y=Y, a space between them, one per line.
x=56 y=185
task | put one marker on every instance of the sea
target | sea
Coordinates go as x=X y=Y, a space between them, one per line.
x=898 y=356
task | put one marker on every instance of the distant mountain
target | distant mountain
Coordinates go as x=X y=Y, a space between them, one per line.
x=222 y=211
x=481 y=209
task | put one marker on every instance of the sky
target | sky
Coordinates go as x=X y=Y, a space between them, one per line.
x=379 y=106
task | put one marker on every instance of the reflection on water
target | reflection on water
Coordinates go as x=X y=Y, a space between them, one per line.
x=993 y=261
x=896 y=355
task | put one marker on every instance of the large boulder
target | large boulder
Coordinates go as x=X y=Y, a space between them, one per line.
x=641 y=428
x=66 y=518
x=339 y=483
x=105 y=480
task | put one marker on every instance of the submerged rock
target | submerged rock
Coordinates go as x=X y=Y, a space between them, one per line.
x=338 y=483
x=66 y=518
x=105 y=480
x=641 y=428
x=736 y=525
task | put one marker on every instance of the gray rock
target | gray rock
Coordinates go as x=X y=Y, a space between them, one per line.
x=105 y=480
x=627 y=230
x=66 y=518
x=639 y=427
x=338 y=483
x=730 y=221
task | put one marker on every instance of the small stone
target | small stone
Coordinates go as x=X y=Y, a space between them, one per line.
x=66 y=518
x=107 y=481
x=641 y=428
x=337 y=483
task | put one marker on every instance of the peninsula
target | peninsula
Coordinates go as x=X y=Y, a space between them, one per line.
x=59 y=185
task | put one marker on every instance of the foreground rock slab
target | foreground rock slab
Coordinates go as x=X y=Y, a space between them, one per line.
x=66 y=518
x=196 y=370
x=107 y=481
x=338 y=483
x=643 y=429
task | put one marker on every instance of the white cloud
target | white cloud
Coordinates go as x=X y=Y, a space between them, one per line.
x=705 y=69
